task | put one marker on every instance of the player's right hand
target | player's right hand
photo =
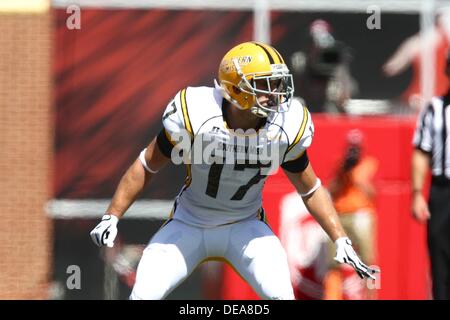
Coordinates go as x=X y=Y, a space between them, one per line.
x=346 y=254
x=106 y=231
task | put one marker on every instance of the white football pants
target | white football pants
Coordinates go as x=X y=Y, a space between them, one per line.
x=178 y=248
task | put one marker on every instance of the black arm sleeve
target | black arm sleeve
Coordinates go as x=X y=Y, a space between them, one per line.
x=296 y=165
x=164 y=144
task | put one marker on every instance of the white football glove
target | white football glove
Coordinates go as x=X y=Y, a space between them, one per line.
x=106 y=231
x=346 y=254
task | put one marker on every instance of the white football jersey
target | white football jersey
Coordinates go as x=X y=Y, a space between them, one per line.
x=225 y=192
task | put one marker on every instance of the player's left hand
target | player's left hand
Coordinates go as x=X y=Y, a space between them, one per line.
x=346 y=254
x=106 y=231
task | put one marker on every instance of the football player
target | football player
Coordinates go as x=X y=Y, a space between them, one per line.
x=218 y=213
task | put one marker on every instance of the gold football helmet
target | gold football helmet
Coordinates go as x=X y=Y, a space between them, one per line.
x=253 y=68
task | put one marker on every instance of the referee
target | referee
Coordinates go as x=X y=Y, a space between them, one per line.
x=432 y=150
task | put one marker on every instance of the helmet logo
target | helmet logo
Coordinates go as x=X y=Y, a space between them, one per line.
x=228 y=64
x=244 y=60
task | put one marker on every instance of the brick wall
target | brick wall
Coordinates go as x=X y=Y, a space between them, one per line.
x=25 y=154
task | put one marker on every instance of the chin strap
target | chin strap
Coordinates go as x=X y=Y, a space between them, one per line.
x=226 y=95
x=259 y=112
x=254 y=110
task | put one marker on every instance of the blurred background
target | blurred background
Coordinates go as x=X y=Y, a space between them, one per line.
x=83 y=85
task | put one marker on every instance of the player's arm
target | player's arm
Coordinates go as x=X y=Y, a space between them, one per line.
x=419 y=169
x=300 y=173
x=138 y=175
x=141 y=172
x=319 y=204
x=317 y=201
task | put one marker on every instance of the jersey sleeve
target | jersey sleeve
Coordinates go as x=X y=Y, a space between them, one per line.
x=296 y=158
x=174 y=133
x=423 y=135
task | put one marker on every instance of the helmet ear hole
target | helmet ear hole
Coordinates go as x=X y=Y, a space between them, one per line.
x=236 y=90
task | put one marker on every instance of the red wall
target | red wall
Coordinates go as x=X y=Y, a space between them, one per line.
x=401 y=242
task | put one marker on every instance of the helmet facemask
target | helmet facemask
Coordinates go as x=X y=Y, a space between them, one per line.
x=278 y=85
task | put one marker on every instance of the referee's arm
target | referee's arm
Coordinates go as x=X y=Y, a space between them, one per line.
x=419 y=169
x=422 y=142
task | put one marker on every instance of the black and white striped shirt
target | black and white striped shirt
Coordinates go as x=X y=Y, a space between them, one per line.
x=432 y=135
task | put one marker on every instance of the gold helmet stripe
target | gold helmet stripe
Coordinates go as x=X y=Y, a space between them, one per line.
x=274 y=53
x=301 y=130
x=271 y=60
x=278 y=54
